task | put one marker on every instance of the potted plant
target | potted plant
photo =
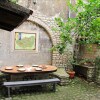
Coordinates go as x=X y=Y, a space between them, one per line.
x=86 y=62
x=71 y=74
x=69 y=66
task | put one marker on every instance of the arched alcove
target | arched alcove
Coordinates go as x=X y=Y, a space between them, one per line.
x=43 y=55
x=44 y=26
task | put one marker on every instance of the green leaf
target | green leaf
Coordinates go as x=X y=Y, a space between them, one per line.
x=14 y=1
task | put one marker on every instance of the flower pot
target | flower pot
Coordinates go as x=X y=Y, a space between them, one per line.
x=71 y=74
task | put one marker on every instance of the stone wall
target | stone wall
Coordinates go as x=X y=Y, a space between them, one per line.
x=9 y=56
x=42 y=19
x=86 y=51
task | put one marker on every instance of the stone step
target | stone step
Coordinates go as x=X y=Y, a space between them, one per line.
x=62 y=75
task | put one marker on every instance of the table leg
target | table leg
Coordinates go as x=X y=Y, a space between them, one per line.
x=9 y=92
x=54 y=87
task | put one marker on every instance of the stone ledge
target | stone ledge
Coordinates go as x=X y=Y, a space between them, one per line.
x=62 y=75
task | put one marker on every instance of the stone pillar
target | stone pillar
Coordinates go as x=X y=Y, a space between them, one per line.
x=90 y=73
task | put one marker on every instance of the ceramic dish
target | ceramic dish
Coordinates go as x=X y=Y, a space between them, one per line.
x=34 y=65
x=42 y=66
x=38 y=69
x=21 y=69
x=20 y=65
x=8 y=68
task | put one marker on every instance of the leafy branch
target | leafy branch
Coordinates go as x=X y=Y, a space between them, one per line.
x=14 y=1
x=85 y=25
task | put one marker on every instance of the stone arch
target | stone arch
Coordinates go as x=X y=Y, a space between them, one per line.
x=50 y=33
x=57 y=59
x=44 y=26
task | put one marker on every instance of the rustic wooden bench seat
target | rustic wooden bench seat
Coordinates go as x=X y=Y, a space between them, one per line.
x=31 y=83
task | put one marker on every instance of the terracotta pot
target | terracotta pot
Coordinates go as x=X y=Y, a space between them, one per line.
x=71 y=74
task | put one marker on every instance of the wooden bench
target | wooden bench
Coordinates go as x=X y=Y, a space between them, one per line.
x=31 y=83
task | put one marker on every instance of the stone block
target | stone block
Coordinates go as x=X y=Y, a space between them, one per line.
x=62 y=75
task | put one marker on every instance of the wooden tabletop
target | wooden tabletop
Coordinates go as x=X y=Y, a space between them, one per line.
x=28 y=69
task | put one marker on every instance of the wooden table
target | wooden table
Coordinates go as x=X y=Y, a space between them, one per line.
x=29 y=70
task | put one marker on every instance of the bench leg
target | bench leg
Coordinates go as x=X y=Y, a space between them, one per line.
x=54 y=87
x=9 y=92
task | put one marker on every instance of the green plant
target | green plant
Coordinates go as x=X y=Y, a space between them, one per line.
x=14 y=1
x=86 y=61
x=88 y=22
x=85 y=26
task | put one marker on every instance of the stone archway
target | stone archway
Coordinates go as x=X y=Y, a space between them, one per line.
x=57 y=59
x=47 y=29
x=43 y=55
x=44 y=26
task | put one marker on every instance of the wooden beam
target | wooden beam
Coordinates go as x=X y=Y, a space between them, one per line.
x=12 y=15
